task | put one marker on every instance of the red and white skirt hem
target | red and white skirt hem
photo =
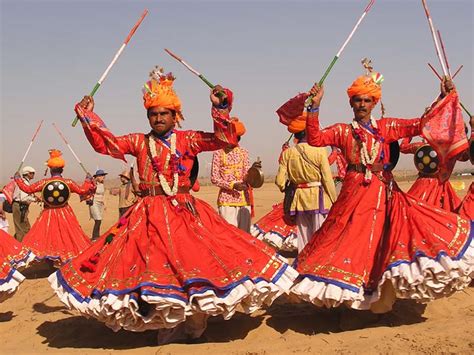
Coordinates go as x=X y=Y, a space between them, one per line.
x=122 y=310
x=424 y=279
x=278 y=241
x=9 y=285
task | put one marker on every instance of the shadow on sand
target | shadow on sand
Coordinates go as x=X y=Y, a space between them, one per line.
x=38 y=270
x=6 y=317
x=80 y=332
x=222 y=331
x=45 y=309
x=308 y=319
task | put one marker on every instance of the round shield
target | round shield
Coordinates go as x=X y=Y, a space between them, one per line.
x=426 y=160
x=471 y=151
x=194 y=171
x=55 y=193
x=255 y=177
x=394 y=154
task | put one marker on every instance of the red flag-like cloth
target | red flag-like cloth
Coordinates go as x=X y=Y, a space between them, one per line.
x=443 y=128
x=8 y=191
x=291 y=109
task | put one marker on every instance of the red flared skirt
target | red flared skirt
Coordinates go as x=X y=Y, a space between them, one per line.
x=273 y=229
x=466 y=209
x=371 y=237
x=12 y=255
x=167 y=262
x=436 y=193
x=56 y=235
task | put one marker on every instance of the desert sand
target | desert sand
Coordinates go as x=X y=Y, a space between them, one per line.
x=35 y=321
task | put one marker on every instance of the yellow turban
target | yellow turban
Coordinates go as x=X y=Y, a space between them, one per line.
x=55 y=159
x=159 y=92
x=367 y=85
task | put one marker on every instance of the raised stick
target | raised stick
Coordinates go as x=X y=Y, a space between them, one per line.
x=29 y=146
x=117 y=55
x=190 y=68
x=445 y=57
x=336 y=57
x=434 y=71
x=70 y=148
x=435 y=39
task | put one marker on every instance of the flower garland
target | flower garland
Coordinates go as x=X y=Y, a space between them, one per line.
x=171 y=159
x=367 y=159
x=90 y=265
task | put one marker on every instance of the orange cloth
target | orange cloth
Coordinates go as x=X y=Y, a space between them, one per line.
x=365 y=85
x=298 y=124
x=55 y=159
x=160 y=93
x=238 y=126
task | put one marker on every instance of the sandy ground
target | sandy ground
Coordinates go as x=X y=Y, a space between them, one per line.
x=34 y=321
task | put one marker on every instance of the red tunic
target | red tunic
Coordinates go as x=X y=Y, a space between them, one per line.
x=430 y=188
x=12 y=255
x=167 y=262
x=56 y=235
x=370 y=236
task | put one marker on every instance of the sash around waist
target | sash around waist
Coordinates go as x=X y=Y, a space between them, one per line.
x=308 y=185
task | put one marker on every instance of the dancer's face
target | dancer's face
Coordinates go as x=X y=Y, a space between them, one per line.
x=161 y=119
x=362 y=106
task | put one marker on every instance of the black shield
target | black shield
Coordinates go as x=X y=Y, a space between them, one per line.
x=55 y=193
x=426 y=160
x=394 y=154
x=194 y=171
x=471 y=151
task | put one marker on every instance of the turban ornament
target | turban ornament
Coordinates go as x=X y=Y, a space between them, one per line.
x=158 y=91
x=55 y=159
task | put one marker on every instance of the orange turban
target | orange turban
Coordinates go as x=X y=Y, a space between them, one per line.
x=55 y=159
x=159 y=92
x=298 y=124
x=238 y=126
x=367 y=85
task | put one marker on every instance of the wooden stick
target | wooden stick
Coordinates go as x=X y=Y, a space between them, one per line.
x=435 y=39
x=434 y=71
x=116 y=57
x=338 y=54
x=29 y=146
x=457 y=71
x=70 y=148
x=444 y=53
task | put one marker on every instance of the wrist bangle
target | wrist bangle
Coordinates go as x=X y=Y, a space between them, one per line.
x=312 y=110
x=222 y=106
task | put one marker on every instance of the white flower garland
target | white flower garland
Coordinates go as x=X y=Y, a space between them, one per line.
x=169 y=191
x=365 y=157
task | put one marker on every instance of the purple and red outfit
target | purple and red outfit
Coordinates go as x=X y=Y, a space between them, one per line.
x=13 y=255
x=171 y=257
x=56 y=235
x=377 y=237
